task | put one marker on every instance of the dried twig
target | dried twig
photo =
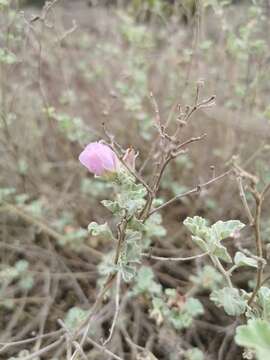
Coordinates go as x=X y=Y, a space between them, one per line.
x=117 y=308
x=150 y=256
x=195 y=190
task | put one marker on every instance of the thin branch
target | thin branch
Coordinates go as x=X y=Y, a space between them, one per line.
x=195 y=190
x=149 y=256
x=259 y=248
x=244 y=200
x=44 y=350
x=226 y=274
x=189 y=141
x=20 y=342
x=103 y=349
x=157 y=113
x=117 y=308
x=265 y=190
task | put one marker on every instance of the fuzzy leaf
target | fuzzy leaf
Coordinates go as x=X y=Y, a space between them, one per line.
x=194 y=354
x=230 y=300
x=221 y=252
x=209 y=238
x=241 y=259
x=255 y=335
x=128 y=272
x=145 y=282
x=103 y=230
x=224 y=229
x=264 y=302
x=194 y=307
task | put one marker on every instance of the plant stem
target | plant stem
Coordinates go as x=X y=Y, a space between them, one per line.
x=220 y=267
x=259 y=249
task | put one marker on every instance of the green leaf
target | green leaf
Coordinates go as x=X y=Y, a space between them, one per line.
x=208 y=278
x=21 y=265
x=193 y=307
x=6 y=192
x=200 y=242
x=132 y=247
x=26 y=282
x=128 y=272
x=145 y=282
x=113 y=206
x=241 y=259
x=221 y=252
x=74 y=317
x=209 y=238
x=264 y=302
x=135 y=224
x=154 y=227
x=230 y=299
x=198 y=227
x=225 y=229
x=255 y=335
x=194 y=354
x=7 y=57
x=102 y=230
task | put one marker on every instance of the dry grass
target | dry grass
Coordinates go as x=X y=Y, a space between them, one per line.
x=83 y=74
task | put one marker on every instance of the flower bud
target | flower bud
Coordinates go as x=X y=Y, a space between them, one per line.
x=130 y=158
x=99 y=159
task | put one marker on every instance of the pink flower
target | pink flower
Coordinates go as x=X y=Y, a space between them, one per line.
x=99 y=159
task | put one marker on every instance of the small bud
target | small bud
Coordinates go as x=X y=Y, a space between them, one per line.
x=130 y=158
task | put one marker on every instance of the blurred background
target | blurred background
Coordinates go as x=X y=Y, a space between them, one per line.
x=69 y=67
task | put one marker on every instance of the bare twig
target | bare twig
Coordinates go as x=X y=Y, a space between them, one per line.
x=244 y=200
x=150 y=256
x=103 y=349
x=259 y=248
x=117 y=308
x=259 y=198
x=195 y=190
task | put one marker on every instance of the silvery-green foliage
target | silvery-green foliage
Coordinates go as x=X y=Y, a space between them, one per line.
x=230 y=299
x=106 y=266
x=74 y=317
x=144 y=282
x=255 y=336
x=193 y=354
x=102 y=230
x=7 y=57
x=130 y=254
x=5 y=193
x=129 y=198
x=19 y=274
x=208 y=238
x=264 y=302
x=128 y=202
x=26 y=279
x=132 y=247
x=181 y=314
x=207 y=278
x=154 y=227
x=75 y=238
x=262 y=308
x=241 y=259
x=95 y=187
x=72 y=127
